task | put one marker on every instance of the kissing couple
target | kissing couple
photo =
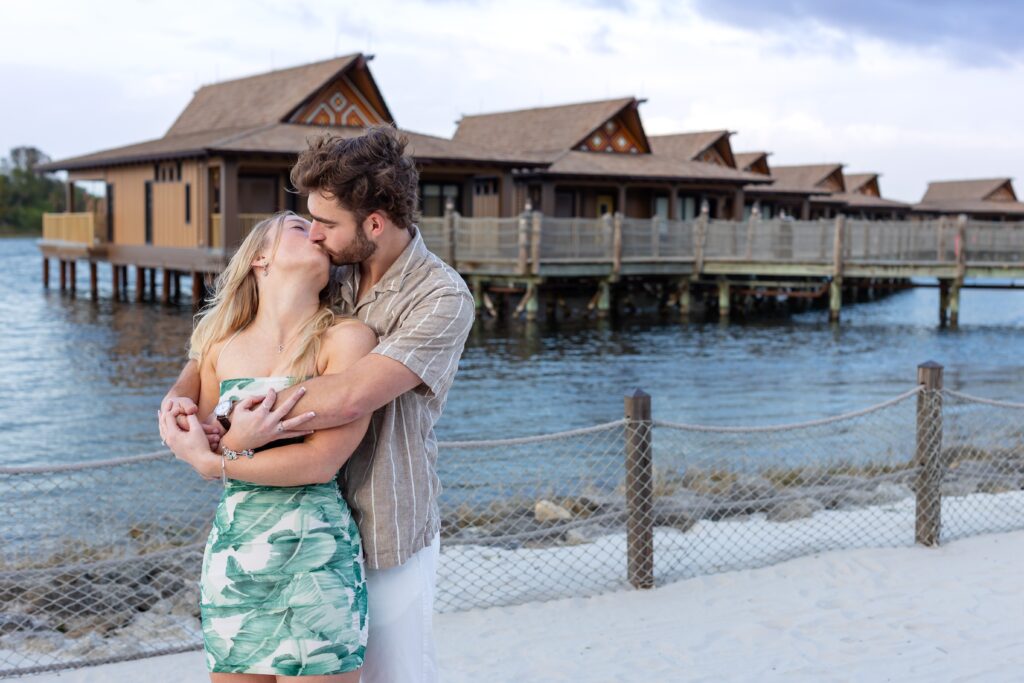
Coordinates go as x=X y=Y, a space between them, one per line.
x=312 y=392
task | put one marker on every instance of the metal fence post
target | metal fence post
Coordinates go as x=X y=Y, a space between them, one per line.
x=928 y=455
x=639 y=491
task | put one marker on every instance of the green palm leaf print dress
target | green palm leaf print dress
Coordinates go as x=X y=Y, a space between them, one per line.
x=283 y=588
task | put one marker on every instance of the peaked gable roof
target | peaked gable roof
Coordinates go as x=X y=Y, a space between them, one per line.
x=547 y=129
x=691 y=146
x=269 y=98
x=754 y=162
x=954 y=190
x=812 y=178
x=862 y=183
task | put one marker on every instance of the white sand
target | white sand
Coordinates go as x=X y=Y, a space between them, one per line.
x=954 y=613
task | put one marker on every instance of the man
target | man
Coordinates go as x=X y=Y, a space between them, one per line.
x=362 y=196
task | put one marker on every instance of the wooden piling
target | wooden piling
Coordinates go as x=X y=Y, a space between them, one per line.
x=165 y=287
x=73 y=276
x=835 y=289
x=152 y=284
x=724 y=298
x=928 y=455
x=177 y=285
x=197 y=289
x=639 y=491
x=140 y=283
x=46 y=273
x=94 y=285
x=63 y=274
x=943 y=302
x=604 y=299
x=124 y=282
x=115 y=281
x=684 y=297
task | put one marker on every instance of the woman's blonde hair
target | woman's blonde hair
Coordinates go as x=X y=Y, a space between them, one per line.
x=236 y=300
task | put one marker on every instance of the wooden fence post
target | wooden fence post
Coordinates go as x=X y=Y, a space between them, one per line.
x=928 y=455
x=639 y=491
x=835 y=288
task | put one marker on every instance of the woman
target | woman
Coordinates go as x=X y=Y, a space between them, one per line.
x=282 y=591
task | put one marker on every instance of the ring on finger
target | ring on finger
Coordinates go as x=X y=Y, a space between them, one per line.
x=280 y=427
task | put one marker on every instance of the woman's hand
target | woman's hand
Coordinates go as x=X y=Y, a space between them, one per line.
x=255 y=422
x=190 y=445
x=182 y=407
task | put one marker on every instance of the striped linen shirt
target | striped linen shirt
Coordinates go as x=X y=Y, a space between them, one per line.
x=422 y=313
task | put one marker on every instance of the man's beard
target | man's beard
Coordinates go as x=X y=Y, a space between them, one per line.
x=358 y=251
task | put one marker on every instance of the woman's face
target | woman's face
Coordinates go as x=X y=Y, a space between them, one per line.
x=296 y=253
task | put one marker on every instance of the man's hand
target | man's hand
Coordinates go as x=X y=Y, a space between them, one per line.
x=255 y=422
x=181 y=407
x=190 y=445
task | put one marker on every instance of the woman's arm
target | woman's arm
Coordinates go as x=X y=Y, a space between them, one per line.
x=321 y=455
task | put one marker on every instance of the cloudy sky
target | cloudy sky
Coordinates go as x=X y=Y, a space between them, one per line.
x=913 y=89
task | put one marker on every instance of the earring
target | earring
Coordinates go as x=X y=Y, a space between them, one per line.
x=266 y=270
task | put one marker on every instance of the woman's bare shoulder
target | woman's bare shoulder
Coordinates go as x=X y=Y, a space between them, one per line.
x=349 y=336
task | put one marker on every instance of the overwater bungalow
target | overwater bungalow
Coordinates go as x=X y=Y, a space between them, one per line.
x=990 y=199
x=863 y=199
x=594 y=158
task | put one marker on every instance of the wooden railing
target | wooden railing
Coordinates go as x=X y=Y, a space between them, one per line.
x=79 y=228
x=523 y=244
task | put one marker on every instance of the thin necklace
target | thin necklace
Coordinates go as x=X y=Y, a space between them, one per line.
x=281 y=347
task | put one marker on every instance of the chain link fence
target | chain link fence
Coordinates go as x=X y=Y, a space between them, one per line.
x=100 y=561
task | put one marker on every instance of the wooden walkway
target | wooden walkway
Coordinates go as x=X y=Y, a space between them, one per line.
x=533 y=249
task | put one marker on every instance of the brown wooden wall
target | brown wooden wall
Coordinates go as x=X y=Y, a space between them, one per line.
x=129 y=187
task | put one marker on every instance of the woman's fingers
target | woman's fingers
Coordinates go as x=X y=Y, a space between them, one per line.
x=292 y=425
x=249 y=403
x=289 y=403
x=268 y=401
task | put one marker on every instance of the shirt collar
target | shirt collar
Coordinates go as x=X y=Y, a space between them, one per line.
x=411 y=258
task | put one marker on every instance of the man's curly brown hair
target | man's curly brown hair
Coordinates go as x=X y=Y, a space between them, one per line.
x=364 y=174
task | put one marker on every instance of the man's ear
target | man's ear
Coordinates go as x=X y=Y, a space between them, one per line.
x=375 y=223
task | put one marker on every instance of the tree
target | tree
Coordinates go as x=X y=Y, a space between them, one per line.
x=25 y=194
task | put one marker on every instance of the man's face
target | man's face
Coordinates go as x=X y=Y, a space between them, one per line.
x=334 y=230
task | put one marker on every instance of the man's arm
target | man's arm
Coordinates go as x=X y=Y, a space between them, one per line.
x=187 y=386
x=423 y=351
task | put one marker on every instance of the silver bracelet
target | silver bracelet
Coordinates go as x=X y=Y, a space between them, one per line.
x=233 y=455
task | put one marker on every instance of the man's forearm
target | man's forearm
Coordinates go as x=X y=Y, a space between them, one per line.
x=338 y=399
x=187 y=384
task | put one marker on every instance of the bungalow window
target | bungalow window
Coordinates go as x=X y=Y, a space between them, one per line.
x=433 y=197
x=687 y=208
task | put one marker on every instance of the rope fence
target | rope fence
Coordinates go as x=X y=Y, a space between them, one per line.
x=100 y=561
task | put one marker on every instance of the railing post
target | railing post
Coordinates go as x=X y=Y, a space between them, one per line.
x=639 y=491
x=928 y=455
x=448 y=232
x=535 y=242
x=835 y=288
x=523 y=266
x=755 y=217
x=961 y=271
x=616 y=244
x=700 y=239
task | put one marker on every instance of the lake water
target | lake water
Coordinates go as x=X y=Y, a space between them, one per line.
x=82 y=380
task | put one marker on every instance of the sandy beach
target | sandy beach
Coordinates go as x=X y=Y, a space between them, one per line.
x=954 y=613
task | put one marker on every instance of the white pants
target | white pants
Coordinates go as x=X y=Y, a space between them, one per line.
x=400 y=646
